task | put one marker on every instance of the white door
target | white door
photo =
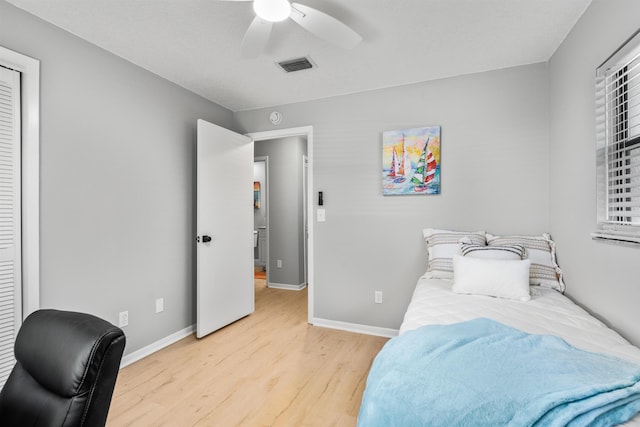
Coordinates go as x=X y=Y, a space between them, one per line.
x=10 y=219
x=225 y=289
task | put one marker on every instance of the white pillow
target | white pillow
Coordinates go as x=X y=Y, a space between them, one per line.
x=442 y=246
x=492 y=277
x=541 y=250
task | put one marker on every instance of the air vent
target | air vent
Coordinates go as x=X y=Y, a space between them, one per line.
x=297 y=64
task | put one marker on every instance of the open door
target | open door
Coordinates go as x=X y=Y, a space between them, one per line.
x=225 y=289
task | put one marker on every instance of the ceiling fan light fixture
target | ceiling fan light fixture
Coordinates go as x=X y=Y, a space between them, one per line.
x=272 y=10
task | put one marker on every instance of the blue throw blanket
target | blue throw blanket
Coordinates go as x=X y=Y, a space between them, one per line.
x=483 y=373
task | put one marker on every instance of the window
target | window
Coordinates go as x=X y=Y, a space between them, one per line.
x=618 y=145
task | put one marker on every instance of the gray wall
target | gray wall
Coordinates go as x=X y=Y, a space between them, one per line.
x=601 y=276
x=285 y=208
x=117 y=181
x=117 y=178
x=495 y=169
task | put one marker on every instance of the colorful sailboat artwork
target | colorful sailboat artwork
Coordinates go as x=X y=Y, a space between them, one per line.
x=411 y=161
x=425 y=172
x=400 y=169
x=394 y=170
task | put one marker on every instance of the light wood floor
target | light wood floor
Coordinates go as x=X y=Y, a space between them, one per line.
x=269 y=369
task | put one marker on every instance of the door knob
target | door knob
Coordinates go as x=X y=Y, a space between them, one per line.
x=206 y=239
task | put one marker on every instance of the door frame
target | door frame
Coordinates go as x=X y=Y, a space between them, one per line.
x=30 y=158
x=305 y=225
x=306 y=131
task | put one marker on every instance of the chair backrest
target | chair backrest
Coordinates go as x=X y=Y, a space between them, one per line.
x=66 y=368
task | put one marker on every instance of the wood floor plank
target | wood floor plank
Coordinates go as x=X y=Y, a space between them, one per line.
x=270 y=368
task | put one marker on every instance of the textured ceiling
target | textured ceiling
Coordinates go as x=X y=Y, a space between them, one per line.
x=196 y=43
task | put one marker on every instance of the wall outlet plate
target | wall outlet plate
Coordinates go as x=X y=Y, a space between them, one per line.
x=159 y=305
x=123 y=318
x=378 y=297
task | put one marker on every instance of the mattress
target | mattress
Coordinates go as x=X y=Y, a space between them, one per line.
x=548 y=312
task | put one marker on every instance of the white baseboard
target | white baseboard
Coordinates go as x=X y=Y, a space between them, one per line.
x=354 y=327
x=158 y=345
x=287 y=286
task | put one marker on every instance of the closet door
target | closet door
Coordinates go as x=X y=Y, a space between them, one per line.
x=10 y=218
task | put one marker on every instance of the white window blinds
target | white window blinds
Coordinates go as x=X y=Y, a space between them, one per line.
x=618 y=144
x=10 y=240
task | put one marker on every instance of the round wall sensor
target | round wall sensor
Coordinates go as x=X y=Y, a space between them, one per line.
x=275 y=117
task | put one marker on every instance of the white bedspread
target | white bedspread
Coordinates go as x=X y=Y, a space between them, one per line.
x=548 y=312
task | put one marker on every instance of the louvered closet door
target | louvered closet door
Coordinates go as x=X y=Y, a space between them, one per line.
x=10 y=259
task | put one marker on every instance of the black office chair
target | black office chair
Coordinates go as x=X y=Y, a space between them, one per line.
x=66 y=368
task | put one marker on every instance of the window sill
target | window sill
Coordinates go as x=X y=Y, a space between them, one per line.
x=617 y=237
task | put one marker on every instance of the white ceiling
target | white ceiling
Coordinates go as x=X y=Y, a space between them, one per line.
x=196 y=43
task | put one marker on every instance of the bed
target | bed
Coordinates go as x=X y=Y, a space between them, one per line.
x=468 y=357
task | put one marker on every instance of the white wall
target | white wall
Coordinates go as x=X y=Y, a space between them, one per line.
x=117 y=179
x=601 y=276
x=495 y=176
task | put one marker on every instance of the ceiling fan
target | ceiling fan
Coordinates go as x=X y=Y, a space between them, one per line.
x=316 y=22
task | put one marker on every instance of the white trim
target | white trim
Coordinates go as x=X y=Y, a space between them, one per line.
x=308 y=132
x=616 y=238
x=355 y=327
x=280 y=133
x=156 y=346
x=30 y=70
x=286 y=286
x=305 y=225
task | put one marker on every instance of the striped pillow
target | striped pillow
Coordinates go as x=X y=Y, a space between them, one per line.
x=513 y=252
x=442 y=246
x=541 y=251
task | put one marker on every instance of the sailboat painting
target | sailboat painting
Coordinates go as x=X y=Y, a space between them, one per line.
x=411 y=161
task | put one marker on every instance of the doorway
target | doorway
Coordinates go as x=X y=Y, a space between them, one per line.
x=260 y=216
x=289 y=255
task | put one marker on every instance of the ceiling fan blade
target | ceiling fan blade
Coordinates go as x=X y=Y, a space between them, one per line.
x=324 y=26
x=256 y=38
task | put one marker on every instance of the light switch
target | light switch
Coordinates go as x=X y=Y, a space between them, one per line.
x=321 y=215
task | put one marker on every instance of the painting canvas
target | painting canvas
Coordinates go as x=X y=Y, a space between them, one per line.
x=256 y=194
x=411 y=161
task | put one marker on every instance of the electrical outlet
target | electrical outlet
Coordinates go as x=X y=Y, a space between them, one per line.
x=159 y=305
x=378 y=297
x=279 y=263
x=123 y=318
